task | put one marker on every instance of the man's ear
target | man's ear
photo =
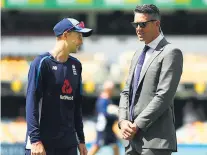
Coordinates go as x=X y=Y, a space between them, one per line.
x=158 y=23
x=65 y=34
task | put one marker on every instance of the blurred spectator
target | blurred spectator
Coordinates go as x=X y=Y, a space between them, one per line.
x=192 y=114
x=107 y=115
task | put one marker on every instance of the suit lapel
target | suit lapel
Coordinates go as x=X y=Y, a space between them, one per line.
x=156 y=52
x=135 y=61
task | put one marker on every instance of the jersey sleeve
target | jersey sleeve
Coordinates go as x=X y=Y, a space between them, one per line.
x=33 y=98
x=78 y=111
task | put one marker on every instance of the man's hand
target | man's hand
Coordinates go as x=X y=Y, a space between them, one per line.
x=38 y=149
x=128 y=130
x=82 y=149
x=135 y=129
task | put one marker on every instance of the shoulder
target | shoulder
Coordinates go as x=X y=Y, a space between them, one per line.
x=101 y=99
x=39 y=59
x=171 y=54
x=75 y=60
x=171 y=49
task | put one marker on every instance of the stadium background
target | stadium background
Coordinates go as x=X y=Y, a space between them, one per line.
x=26 y=29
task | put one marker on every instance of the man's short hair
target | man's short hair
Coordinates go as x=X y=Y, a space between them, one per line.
x=150 y=9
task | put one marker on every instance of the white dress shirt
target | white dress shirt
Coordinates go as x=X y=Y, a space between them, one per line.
x=153 y=44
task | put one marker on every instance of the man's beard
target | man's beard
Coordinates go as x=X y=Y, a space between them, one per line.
x=74 y=51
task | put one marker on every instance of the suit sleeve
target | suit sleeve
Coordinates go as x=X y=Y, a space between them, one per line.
x=34 y=94
x=124 y=98
x=78 y=112
x=170 y=74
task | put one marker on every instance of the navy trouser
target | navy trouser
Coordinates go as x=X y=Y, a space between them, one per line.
x=61 y=151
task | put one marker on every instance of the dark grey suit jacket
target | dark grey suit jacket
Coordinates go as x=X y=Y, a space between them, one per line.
x=154 y=109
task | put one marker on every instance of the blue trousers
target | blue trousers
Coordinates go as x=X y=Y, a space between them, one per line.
x=61 y=151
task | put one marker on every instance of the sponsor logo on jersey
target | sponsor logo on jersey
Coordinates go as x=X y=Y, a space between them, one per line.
x=66 y=97
x=67 y=90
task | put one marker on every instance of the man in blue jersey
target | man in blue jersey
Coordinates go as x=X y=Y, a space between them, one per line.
x=107 y=115
x=54 y=95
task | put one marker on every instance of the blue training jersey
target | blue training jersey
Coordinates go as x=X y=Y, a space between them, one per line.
x=105 y=120
x=53 y=102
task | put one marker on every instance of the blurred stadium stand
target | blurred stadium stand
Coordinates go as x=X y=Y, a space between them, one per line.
x=26 y=29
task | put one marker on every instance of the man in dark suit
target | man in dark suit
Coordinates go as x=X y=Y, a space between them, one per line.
x=146 y=110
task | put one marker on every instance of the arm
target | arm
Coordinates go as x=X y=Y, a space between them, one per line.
x=168 y=81
x=34 y=94
x=124 y=99
x=78 y=112
x=123 y=103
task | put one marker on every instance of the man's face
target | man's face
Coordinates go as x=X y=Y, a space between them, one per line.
x=74 y=40
x=147 y=32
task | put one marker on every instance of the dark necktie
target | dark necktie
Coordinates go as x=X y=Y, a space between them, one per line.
x=137 y=72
